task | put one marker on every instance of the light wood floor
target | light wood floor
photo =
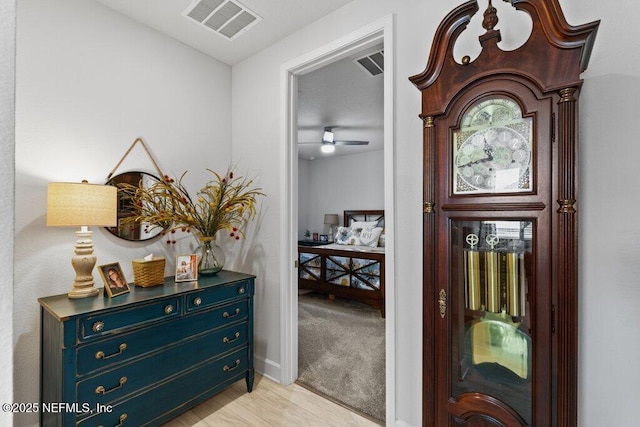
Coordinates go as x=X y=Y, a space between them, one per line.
x=269 y=404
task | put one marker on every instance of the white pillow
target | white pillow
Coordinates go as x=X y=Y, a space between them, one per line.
x=361 y=225
x=369 y=236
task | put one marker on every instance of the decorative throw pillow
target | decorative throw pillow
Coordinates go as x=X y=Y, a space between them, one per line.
x=343 y=236
x=370 y=236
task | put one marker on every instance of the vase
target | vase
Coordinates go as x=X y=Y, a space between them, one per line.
x=211 y=257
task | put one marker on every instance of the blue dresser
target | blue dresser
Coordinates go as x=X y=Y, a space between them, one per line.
x=144 y=357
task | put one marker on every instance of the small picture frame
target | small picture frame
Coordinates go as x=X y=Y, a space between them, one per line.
x=114 y=281
x=186 y=268
x=324 y=238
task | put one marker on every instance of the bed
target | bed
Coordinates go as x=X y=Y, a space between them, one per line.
x=352 y=271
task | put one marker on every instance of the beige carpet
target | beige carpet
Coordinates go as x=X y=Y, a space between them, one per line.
x=341 y=352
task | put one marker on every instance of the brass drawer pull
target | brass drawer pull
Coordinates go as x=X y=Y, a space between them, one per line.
x=227 y=340
x=121 y=348
x=98 y=326
x=168 y=309
x=228 y=369
x=226 y=315
x=101 y=390
x=122 y=418
x=241 y=290
x=197 y=301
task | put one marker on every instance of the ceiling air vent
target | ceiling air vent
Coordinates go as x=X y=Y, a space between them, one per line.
x=373 y=62
x=227 y=18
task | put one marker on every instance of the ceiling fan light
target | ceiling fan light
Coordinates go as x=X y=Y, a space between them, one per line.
x=327 y=148
x=327 y=136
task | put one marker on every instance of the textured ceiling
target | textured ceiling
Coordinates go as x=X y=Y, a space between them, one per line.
x=279 y=19
x=341 y=95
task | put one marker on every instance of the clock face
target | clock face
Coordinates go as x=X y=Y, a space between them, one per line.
x=492 y=150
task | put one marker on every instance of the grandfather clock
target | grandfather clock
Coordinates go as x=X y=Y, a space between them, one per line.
x=500 y=222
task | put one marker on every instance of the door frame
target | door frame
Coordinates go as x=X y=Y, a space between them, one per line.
x=367 y=36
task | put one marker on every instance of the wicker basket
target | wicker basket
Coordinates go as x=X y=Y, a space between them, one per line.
x=147 y=273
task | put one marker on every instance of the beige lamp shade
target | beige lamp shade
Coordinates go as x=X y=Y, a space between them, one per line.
x=81 y=204
x=331 y=219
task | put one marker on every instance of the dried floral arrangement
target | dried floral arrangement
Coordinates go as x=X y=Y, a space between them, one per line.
x=225 y=202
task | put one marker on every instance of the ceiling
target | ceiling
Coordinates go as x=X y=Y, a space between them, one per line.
x=341 y=95
x=344 y=96
x=279 y=19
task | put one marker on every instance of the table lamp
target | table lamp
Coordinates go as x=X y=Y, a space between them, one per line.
x=82 y=205
x=331 y=220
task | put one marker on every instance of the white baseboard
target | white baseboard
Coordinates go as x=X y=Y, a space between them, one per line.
x=267 y=368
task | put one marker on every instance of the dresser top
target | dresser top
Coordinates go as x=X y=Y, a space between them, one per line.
x=63 y=307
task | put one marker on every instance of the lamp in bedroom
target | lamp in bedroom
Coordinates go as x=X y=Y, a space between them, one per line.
x=331 y=220
x=82 y=205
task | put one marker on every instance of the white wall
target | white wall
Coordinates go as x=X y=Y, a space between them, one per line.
x=609 y=270
x=305 y=197
x=7 y=180
x=333 y=185
x=89 y=81
x=608 y=207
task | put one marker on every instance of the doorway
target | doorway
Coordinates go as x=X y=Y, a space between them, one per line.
x=379 y=32
x=341 y=328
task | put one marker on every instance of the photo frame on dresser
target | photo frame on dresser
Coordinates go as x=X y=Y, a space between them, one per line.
x=114 y=281
x=186 y=268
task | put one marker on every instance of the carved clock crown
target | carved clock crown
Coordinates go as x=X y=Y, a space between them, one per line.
x=553 y=57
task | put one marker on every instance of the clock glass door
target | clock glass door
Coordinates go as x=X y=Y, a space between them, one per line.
x=490 y=336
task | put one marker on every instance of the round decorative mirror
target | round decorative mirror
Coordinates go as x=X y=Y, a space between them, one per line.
x=132 y=231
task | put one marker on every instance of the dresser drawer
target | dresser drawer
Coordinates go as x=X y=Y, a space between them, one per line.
x=173 y=393
x=129 y=378
x=114 y=350
x=208 y=297
x=108 y=322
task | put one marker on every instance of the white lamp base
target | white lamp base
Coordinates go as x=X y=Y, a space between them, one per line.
x=83 y=262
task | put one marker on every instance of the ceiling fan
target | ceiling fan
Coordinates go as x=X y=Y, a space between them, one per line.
x=329 y=142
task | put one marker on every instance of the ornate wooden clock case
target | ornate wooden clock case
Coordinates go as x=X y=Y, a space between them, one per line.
x=500 y=222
